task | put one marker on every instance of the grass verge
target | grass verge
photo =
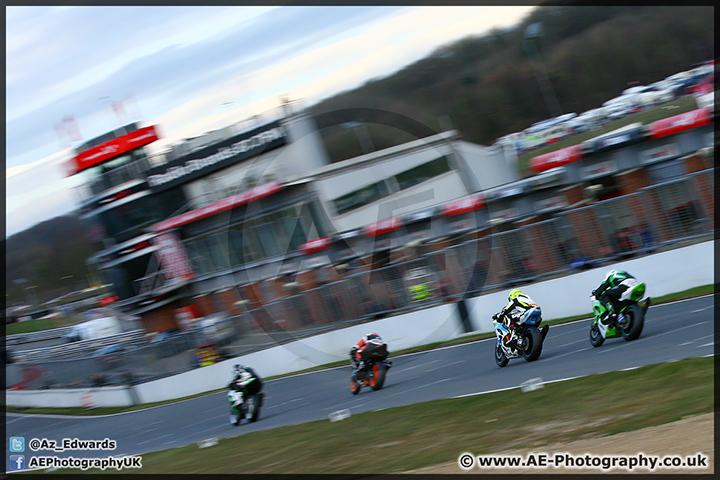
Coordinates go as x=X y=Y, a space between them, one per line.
x=430 y=433
x=40 y=324
x=672 y=297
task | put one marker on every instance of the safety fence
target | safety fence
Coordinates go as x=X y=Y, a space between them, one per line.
x=655 y=218
x=30 y=337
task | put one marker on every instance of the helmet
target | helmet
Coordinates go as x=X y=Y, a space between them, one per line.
x=370 y=336
x=237 y=368
x=610 y=274
x=514 y=294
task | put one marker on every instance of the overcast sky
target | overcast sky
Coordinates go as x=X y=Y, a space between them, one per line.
x=190 y=70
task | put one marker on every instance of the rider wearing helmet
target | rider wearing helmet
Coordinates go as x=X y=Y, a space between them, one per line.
x=519 y=309
x=245 y=380
x=357 y=350
x=610 y=291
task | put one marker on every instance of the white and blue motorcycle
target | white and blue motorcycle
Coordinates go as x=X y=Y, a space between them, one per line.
x=523 y=338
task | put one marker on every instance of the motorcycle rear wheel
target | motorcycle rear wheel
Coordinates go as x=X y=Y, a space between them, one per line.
x=252 y=409
x=378 y=376
x=532 y=344
x=635 y=321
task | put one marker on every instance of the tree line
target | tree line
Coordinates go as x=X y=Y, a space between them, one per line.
x=488 y=86
x=46 y=261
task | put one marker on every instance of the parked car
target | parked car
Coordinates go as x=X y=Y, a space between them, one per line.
x=92 y=329
x=620 y=110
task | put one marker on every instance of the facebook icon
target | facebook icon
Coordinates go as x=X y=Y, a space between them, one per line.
x=17 y=462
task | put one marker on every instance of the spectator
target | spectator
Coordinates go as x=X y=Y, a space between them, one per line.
x=444 y=291
x=530 y=266
x=579 y=261
x=564 y=250
x=624 y=243
x=647 y=236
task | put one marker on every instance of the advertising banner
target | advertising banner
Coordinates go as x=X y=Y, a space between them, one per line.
x=173 y=259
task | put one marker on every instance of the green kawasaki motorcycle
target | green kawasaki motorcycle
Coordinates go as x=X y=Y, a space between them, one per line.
x=630 y=317
x=249 y=409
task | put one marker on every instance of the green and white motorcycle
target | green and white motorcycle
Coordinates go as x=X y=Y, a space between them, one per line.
x=248 y=409
x=630 y=317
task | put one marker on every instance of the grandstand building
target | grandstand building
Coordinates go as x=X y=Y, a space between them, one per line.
x=230 y=220
x=195 y=228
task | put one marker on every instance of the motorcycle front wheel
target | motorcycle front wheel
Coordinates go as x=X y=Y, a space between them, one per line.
x=500 y=358
x=235 y=417
x=596 y=338
x=354 y=387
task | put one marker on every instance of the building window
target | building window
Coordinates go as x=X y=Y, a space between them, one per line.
x=266 y=236
x=259 y=238
x=252 y=248
x=220 y=251
x=127 y=220
x=360 y=197
x=422 y=173
x=235 y=246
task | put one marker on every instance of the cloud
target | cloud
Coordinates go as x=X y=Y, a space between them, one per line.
x=162 y=76
x=184 y=64
x=55 y=159
x=349 y=62
x=44 y=207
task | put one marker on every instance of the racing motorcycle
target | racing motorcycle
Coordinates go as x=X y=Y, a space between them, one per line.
x=372 y=369
x=249 y=409
x=630 y=317
x=524 y=338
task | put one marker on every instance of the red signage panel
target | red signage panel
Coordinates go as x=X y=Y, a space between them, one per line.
x=105 y=301
x=464 y=205
x=558 y=158
x=173 y=259
x=384 y=226
x=111 y=149
x=680 y=123
x=217 y=207
x=315 y=245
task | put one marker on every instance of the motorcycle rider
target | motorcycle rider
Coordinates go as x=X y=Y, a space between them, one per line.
x=519 y=309
x=245 y=381
x=610 y=291
x=357 y=349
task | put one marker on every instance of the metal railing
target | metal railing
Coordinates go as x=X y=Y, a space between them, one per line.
x=653 y=219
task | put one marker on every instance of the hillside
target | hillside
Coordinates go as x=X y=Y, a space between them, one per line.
x=488 y=86
x=50 y=256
